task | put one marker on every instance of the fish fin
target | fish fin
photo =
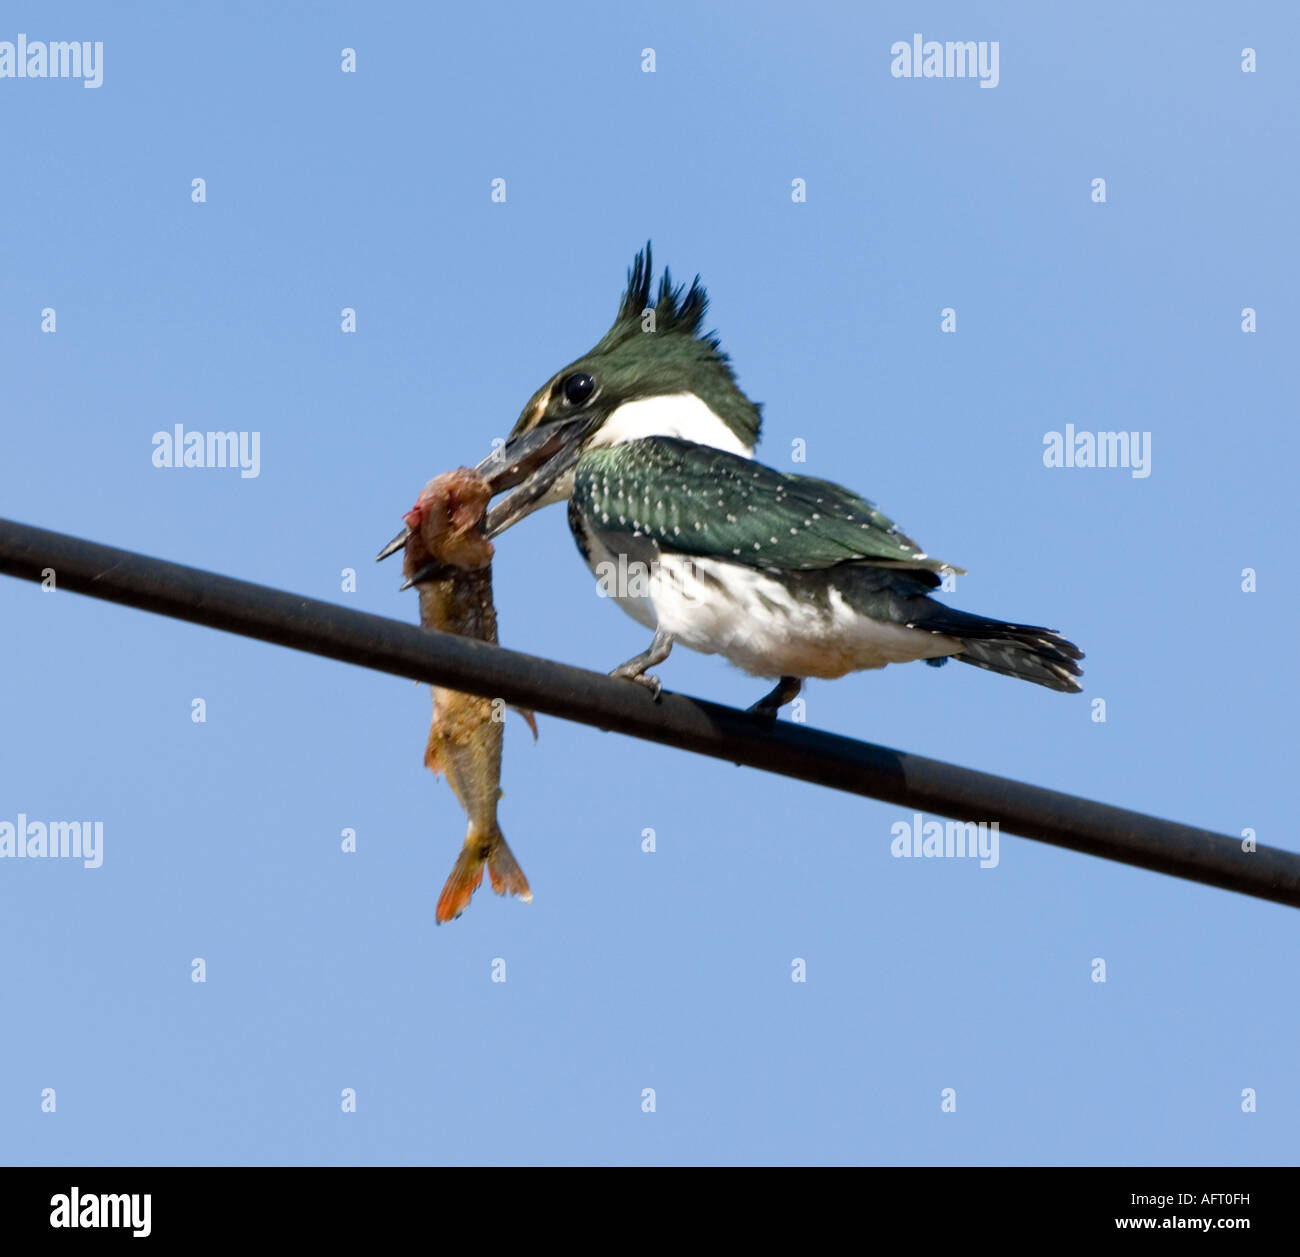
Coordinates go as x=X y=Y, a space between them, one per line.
x=507 y=877
x=532 y=720
x=466 y=877
x=431 y=760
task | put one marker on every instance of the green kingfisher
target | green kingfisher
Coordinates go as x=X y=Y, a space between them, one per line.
x=650 y=440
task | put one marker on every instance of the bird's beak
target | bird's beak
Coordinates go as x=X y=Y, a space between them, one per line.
x=531 y=464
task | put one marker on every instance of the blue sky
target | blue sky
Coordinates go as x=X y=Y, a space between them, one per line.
x=669 y=970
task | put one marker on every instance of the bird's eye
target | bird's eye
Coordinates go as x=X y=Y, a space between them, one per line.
x=577 y=388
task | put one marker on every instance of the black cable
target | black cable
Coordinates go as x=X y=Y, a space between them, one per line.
x=793 y=750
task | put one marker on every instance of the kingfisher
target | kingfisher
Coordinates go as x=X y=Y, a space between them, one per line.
x=650 y=440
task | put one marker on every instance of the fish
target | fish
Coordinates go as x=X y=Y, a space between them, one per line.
x=449 y=561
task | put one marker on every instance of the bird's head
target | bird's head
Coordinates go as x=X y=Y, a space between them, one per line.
x=655 y=372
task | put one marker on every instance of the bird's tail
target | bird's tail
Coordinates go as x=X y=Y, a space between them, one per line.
x=480 y=848
x=1034 y=654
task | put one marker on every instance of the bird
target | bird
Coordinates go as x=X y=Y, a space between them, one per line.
x=650 y=440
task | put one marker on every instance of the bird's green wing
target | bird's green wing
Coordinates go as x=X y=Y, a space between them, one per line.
x=706 y=502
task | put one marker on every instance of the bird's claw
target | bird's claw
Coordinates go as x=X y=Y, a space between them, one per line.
x=635 y=668
x=648 y=679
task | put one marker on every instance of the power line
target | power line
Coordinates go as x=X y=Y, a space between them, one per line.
x=826 y=759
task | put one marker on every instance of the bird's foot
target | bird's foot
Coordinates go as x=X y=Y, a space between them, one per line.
x=635 y=668
x=785 y=691
x=648 y=679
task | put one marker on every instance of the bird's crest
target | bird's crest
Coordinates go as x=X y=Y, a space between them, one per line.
x=678 y=310
x=669 y=353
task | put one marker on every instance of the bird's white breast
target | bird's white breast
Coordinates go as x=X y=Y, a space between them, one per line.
x=751 y=618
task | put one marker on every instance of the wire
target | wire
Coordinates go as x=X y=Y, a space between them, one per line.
x=793 y=750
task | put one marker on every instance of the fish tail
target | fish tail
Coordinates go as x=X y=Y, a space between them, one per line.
x=466 y=877
x=507 y=877
x=488 y=848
